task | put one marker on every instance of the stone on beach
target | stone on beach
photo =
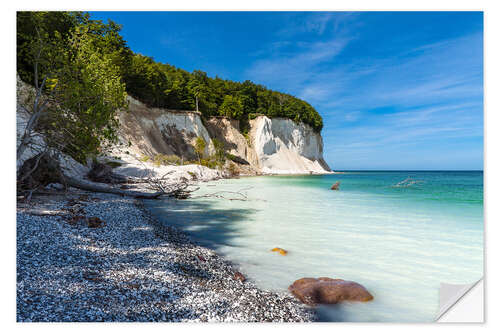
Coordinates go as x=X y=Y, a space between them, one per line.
x=134 y=269
x=74 y=219
x=325 y=290
x=240 y=277
x=95 y=222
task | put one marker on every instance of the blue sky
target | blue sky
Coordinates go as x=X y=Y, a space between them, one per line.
x=396 y=90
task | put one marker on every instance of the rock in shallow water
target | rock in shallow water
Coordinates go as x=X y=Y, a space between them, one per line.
x=281 y=251
x=335 y=186
x=325 y=290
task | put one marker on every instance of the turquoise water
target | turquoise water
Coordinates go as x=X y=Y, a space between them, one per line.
x=400 y=234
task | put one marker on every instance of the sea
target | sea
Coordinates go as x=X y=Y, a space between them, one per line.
x=398 y=233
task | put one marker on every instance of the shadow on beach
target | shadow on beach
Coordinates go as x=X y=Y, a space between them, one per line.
x=123 y=272
x=208 y=226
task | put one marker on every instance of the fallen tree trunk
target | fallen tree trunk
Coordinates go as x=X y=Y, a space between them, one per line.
x=108 y=189
x=43 y=169
x=103 y=173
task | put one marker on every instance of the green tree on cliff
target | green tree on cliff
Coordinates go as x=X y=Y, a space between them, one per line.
x=220 y=154
x=77 y=89
x=231 y=107
x=199 y=147
x=159 y=84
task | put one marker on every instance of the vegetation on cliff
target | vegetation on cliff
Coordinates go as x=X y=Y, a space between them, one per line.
x=154 y=83
x=73 y=65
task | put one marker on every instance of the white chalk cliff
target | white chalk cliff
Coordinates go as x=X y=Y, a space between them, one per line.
x=154 y=131
x=273 y=146
x=285 y=147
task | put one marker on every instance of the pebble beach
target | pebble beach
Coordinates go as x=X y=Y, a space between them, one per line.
x=126 y=266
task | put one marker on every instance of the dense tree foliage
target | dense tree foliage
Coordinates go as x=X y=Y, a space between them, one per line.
x=163 y=85
x=78 y=84
x=87 y=90
x=36 y=27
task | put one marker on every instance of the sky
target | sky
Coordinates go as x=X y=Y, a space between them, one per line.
x=396 y=90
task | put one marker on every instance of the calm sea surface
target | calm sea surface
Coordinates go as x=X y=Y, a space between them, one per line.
x=398 y=233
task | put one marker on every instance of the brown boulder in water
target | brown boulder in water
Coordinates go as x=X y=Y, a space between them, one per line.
x=325 y=290
x=335 y=186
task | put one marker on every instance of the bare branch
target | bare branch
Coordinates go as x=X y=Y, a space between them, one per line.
x=34 y=167
x=239 y=195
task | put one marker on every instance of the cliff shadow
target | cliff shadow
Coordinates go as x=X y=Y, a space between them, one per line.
x=218 y=130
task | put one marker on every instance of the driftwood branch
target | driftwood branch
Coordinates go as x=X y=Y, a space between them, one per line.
x=178 y=190
x=237 y=195
x=108 y=189
x=104 y=173
x=408 y=182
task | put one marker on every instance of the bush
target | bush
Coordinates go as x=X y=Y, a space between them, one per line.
x=173 y=160
x=209 y=163
x=233 y=170
x=249 y=141
x=252 y=116
x=162 y=159
x=220 y=154
x=199 y=147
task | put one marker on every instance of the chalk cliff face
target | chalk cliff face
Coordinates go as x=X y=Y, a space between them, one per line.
x=228 y=132
x=273 y=146
x=154 y=131
x=284 y=147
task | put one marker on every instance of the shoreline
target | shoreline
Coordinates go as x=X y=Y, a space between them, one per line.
x=130 y=268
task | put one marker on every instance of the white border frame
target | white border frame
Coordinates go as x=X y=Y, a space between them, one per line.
x=492 y=167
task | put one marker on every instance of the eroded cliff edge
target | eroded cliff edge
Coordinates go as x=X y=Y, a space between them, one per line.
x=272 y=146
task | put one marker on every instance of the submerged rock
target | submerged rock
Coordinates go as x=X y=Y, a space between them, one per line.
x=280 y=251
x=325 y=290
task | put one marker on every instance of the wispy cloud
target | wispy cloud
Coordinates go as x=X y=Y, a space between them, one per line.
x=298 y=61
x=295 y=68
x=428 y=75
x=316 y=23
x=320 y=24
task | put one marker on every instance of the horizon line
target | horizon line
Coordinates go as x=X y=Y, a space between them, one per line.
x=426 y=170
